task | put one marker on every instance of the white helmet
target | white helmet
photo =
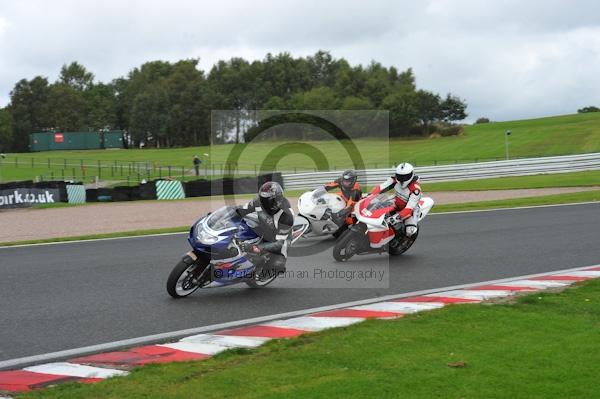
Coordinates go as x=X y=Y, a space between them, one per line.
x=404 y=174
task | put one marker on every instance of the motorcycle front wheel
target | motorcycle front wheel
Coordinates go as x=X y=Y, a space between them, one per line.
x=183 y=279
x=257 y=282
x=346 y=246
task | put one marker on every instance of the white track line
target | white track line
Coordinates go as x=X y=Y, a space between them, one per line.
x=400 y=307
x=194 y=347
x=75 y=370
x=308 y=323
x=160 y=338
x=537 y=284
x=226 y=341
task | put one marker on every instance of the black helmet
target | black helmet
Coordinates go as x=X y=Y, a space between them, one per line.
x=349 y=178
x=271 y=197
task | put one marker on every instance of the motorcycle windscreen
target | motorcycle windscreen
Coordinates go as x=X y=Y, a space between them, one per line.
x=381 y=201
x=223 y=218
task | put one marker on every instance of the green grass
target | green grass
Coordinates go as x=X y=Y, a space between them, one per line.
x=584 y=196
x=576 y=179
x=130 y=233
x=558 y=135
x=544 y=345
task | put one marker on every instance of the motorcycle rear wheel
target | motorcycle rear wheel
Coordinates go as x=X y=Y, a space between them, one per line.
x=346 y=246
x=401 y=247
x=181 y=279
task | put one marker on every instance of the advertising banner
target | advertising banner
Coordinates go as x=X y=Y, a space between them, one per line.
x=26 y=197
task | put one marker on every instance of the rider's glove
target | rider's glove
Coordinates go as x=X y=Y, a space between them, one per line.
x=405 y=213
x=250 y=248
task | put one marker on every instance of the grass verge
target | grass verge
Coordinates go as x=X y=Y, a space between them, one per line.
x=557 y=199
x=99 y=236
x=537 y=346
x=575 y=179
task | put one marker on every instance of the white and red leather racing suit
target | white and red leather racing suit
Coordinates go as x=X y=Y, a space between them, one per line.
x=407 y=200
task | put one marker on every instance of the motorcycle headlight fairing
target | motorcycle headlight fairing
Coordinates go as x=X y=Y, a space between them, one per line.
x=204 y=237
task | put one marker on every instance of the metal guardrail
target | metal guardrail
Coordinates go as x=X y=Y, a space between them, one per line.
x=480 y=170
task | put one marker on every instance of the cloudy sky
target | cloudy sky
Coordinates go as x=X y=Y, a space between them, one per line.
x=507 y=59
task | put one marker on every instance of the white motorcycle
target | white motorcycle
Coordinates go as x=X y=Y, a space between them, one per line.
x=379 y=228
x=321 y=210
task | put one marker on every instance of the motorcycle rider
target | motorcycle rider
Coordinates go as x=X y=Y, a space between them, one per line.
x=349 y=190
x=275 y=221
x=408 y=194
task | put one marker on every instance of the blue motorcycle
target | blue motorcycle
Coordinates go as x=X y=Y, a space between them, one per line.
x=216 y=258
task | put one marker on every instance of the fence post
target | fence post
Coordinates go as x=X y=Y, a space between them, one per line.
x=183 y=173
x=169 y=171
x=99 y=169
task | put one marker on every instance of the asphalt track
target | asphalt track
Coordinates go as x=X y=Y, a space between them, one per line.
x=58 y=297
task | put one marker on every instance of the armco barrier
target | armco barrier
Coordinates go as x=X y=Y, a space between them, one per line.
x=518 y=167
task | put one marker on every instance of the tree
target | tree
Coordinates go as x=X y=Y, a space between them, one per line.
x=188 y=101
x=453 y=109
x=322 y=68
x=172 y=102
x=101 y=107
x=591 y=108
x=234 y=81
x=319 y=98
x=274 y=103
x=428 y=108
x=402 y=107
x=356 y=103
x=149 y=117
x=28 y=102
x=76 y=76
x=482 y=120
x=6 y=133
x=66 y=108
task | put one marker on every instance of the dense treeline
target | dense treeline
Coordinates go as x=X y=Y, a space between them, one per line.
x=169 y=104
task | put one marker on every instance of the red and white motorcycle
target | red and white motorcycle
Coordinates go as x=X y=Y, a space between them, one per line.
x=379 y=228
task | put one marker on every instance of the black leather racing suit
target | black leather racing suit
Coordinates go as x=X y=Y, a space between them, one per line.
x=275 y=230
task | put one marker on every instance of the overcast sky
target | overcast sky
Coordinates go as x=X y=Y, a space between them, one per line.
x=507 y=59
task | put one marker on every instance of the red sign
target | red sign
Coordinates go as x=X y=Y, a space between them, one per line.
x=59 y=138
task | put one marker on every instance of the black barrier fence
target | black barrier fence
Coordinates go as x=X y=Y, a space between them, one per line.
x=228 y=186
x=194 y=188
x=25 y=194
